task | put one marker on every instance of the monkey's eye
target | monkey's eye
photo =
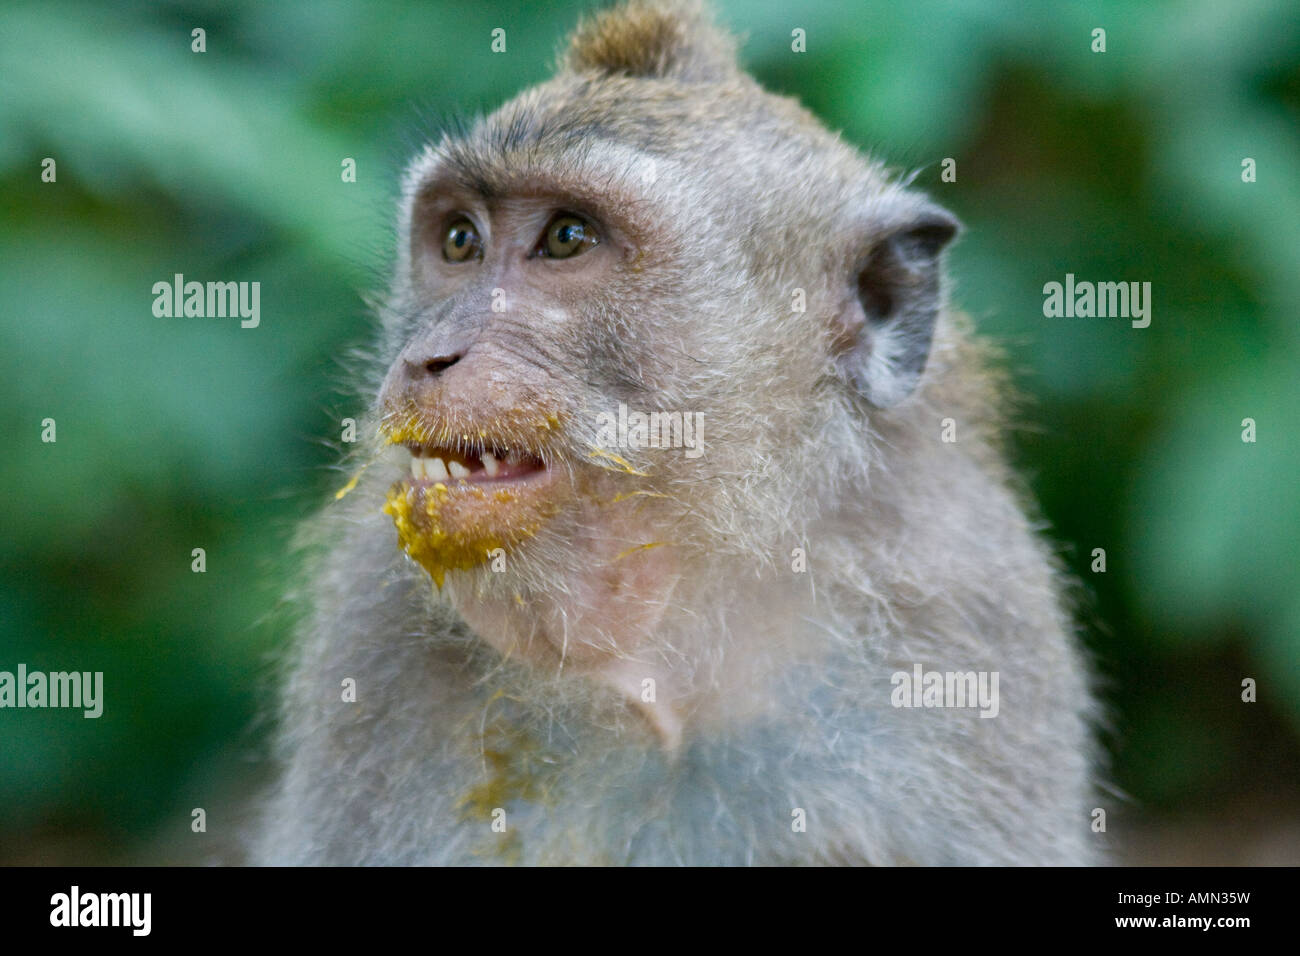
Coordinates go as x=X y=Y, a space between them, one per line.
x=567 y=236
x=462 y=242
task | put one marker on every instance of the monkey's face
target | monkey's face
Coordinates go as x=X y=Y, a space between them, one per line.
x=505 y=363
x=593 y=252
x=550 y=290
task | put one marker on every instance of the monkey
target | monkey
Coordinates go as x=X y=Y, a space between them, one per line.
x=685 y=481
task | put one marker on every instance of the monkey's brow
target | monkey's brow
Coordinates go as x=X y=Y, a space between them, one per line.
x=485 y=152
x=602 y=177
x=497 y=155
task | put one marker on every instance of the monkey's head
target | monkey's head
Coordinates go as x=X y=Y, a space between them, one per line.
x=646 y=234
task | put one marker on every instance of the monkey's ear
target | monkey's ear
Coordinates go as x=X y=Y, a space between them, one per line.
x=653 y=38
x=885 y=331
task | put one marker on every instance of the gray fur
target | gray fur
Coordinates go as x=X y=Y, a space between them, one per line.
x=918 y=550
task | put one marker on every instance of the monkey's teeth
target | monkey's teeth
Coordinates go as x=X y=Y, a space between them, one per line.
x=457 y=469
x=435 y=470
x=417 y=468
x=490 y=464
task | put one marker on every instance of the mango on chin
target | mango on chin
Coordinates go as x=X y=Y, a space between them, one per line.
x=445 y=532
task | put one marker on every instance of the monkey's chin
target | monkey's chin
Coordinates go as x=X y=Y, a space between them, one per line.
x=456 y=525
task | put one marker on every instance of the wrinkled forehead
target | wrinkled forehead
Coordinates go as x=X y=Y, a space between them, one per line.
x=588 y=152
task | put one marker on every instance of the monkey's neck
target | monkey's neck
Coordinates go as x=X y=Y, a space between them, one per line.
x=676 y=649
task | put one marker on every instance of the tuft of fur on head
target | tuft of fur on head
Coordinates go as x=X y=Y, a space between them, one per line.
x=675 y=39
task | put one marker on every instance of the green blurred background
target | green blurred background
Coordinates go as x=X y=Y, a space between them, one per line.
x=183 y=433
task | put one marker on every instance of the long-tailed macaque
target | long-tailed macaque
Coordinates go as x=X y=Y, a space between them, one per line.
x=684 y=536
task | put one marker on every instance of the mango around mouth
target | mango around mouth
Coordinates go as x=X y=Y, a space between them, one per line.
x=466 y=497
x=459 y=525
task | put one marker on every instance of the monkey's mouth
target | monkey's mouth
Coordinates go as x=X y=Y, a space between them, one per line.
x=492 y=465
x=462 y=507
